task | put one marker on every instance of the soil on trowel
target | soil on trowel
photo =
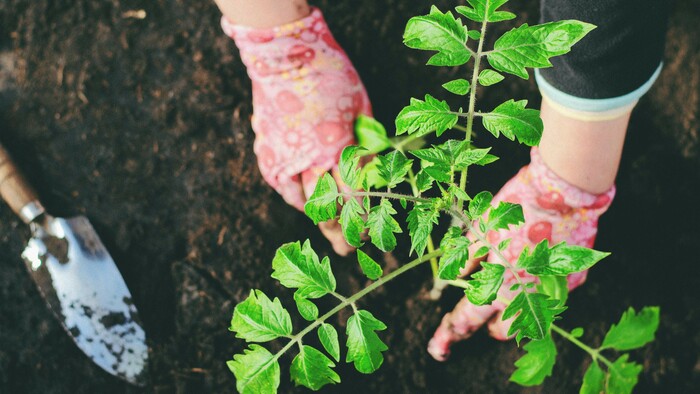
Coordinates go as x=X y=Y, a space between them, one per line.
x=143 y=125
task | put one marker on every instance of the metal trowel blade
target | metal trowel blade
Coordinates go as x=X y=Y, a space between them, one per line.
x=86 y=292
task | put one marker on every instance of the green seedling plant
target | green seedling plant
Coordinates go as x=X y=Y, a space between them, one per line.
x=366 y=201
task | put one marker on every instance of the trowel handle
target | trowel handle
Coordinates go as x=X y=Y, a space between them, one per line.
x=16 y=191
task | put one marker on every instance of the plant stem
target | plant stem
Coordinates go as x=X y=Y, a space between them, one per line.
x=472 y=104
x=595 y=353
x=351 y=300
x=395 y=196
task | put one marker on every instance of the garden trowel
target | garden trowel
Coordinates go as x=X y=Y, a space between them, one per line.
x=79 y=281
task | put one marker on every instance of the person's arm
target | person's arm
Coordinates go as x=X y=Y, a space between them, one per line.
x=263 y=13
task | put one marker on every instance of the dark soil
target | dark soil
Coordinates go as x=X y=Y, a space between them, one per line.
x=143 y=125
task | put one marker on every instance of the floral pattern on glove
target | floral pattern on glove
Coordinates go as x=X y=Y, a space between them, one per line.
x=554 y=210
x=306 y=96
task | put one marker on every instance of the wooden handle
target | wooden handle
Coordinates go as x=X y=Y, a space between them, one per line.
x=16 y=191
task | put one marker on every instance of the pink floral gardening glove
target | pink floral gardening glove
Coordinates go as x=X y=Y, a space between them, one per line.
x=306 y=96
x=554 y=210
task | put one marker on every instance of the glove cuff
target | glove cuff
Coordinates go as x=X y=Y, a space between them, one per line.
x=555 y=191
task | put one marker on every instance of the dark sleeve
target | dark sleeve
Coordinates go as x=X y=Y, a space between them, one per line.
x=617 y=57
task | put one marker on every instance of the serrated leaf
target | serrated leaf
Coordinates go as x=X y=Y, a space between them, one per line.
x=348 y=166
x=351 y=222
x=329 y=339
x=483 y=251
x=504 y=244
x=382 y=226
x=489 y=77
x=622 y=376
x=297 y=267
x=369 y=267
x=256 y=371
x=423 y=181
x=634 y=330
x=423 y=117
x=307 y=309
x=371 y=134
x=537 y=364
x=257 y=319
x=483 y=288
x=504 y=215
x=533 y=46
x=593 y=380
x=458 y=86
x=364 y=346
x=370 y=175
x=479 y=204
x=420 y=225
x=556 y=287
x=458 y=192
x=323 y=205
x=470 y=156
x=312 y=369
x=432 y=155
x=440 y=32
x=513 y=120
x=454 y=258
x=488 y=159
x=393 y=167
x=439 y=172
x=534 y=314
x=481 y=10
x=560 y=260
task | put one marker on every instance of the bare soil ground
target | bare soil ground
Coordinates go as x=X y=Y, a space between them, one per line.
x=143 y=125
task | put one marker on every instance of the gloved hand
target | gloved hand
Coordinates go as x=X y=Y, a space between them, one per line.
x=306 y=96
x=553 y=210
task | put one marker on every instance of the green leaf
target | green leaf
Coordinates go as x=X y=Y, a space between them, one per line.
x=514 y=120
x=593 y=380
x=577 y=332
x=300 y=268
x=432 y=155
x=537 y=312
x=474 y=34
x=488 y=159
x=479 y=204
x=458 y=86
x=364 y=346
x=556 y=287
x=371 y=134
x=393 y=167
x=485 y=9
x=634 y=329
x=307 y=309
x=532 y=46
x=423 y=117
x=537 y=364
x=483 y=251
x=420 y=225
x=457 y=192
x=439 y=172
x=256 y=370
x=349 y=166
x=351 y=222
x=489 y=77
x=455 y=256
x=440 y=32
x=423 y=181
x=312 y=369
x=369 y=267
x=382 y=226
x=323 y=205
x=560 y=260
x=504 y=215
x=470 y=156
x=622 y=376
x=329 y=339
x=370 y=175
x=257 y=319
x=483 y=288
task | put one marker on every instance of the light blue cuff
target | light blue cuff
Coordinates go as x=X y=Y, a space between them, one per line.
x=594 y=105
